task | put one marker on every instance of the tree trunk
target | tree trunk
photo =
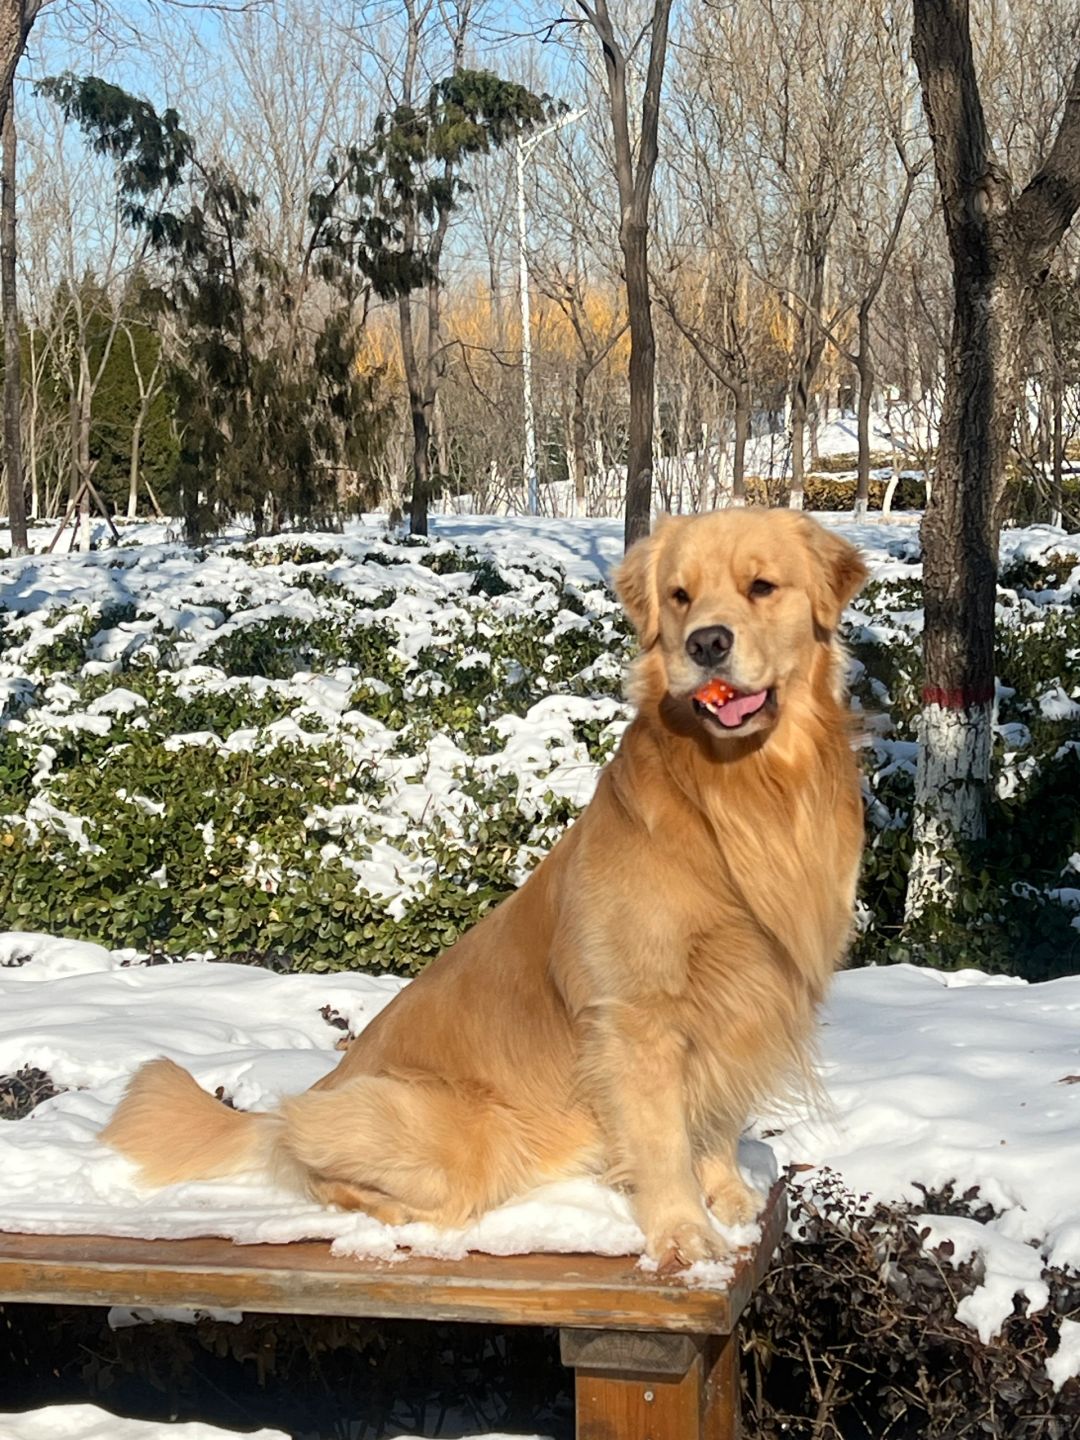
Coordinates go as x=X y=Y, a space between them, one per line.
x=85 y=422
x=1001 y=248
x=73 y=441
x=421 y=432
x=440 y=444
x=639 y=458
x=84 y=531
x=960 y=562
x=1057 y=442
x=798 y=446
x=16 y=18
x=865 y=371
x=133 y=471
x=813 y=345
x=32 y=447
x=634 y=176
x=421 y=466
x=808 y=350
x=742 y=434
x=16 y=495
x=578 y=436
x=1058 y=457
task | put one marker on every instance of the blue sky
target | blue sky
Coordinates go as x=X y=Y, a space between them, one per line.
x=118 y=42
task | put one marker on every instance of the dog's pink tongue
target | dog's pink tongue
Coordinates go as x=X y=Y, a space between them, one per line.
x=736 y=710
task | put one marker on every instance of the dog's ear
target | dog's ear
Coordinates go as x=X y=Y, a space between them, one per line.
x=635 y=583
x=839 y=574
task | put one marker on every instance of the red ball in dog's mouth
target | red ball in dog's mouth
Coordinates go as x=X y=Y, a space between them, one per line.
x=726 y=705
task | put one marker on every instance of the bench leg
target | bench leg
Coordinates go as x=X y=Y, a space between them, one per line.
x=653 y=1385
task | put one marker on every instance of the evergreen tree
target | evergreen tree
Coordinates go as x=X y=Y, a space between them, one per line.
x=133 y=437
x=270 y=408
x=389 y=207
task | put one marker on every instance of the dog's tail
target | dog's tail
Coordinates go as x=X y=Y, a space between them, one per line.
x=173 y=1130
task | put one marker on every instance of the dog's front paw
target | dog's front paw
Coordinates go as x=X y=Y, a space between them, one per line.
x=733 y=1202
x=676 y=1247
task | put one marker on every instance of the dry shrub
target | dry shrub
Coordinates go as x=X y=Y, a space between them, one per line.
x=854 y=1335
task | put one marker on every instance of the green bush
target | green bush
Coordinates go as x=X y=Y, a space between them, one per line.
x=277 y=648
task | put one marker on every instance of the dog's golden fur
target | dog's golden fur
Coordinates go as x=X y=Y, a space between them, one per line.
x=655 y=978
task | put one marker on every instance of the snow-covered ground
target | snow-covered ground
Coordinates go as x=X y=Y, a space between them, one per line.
x=930 y=1079
x=87 y=1422
x=905 y=434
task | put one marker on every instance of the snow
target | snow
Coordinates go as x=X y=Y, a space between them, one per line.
x=769 y=455
x=87 y=1422
x=1065 y=1362
x=91 y=1423
x=256 y=1036
x=960 y=1079
x=930 y=1079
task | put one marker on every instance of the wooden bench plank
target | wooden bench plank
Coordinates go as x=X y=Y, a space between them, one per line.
x=569 y=1291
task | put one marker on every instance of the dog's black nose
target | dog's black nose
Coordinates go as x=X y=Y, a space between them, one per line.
x=710 y=645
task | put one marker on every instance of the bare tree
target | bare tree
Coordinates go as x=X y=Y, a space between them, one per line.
x=634 y=173
x=45 y=430
x=701 y=278
x=871 y=266
x=16 y=21
x=16 y=494
x=793 y=85
x=1001 y=244
x=150 y=384
x=712 y=329
x=569 y=268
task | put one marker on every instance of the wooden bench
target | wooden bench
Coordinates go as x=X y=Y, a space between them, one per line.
x=654 y=1358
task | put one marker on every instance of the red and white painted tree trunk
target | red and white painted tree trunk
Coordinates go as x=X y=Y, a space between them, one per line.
x=1001 y=245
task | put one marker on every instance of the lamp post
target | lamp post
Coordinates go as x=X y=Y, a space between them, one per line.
x=524 y=150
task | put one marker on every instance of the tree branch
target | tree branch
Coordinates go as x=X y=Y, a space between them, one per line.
x=1047 y=204
x=650 y=101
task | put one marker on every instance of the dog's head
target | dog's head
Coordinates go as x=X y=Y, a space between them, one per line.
x=734 y=610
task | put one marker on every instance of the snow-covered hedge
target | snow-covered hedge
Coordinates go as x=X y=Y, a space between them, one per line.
x=860 y=1330
x=340 y=751
x=283 y=750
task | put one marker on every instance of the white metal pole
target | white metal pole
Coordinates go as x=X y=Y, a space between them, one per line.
x=531 y=485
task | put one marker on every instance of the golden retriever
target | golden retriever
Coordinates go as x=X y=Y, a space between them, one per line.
x=656 y=976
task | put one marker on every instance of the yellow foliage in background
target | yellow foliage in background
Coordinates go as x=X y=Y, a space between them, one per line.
x=471 y=316
x=489 y=328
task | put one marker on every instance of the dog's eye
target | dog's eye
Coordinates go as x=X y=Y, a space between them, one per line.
x=680 y=596
x=760 y=588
